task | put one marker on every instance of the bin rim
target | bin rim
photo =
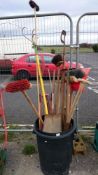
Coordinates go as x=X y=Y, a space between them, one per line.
x=53 y=136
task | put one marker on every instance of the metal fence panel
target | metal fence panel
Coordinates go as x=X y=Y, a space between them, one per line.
x=86 y=37
x=16 y=32
x=16 y=39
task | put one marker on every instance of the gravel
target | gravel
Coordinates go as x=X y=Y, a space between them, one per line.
x=20 y=164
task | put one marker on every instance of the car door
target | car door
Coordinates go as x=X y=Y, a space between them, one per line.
x=49 y=67
x=31 y=63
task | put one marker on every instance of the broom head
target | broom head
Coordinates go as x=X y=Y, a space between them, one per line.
x=75 y=86
x=19 y=85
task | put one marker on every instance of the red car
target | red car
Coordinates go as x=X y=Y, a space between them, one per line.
x=25 y=66
x=5 y=64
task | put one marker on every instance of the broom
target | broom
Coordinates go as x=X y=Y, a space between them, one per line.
x=21 y=86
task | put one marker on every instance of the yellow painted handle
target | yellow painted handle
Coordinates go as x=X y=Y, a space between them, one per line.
x=42 y=85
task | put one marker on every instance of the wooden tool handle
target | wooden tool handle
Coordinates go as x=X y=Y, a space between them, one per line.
x=75 y=102
x=58 y=93
x=67 y=99
x=53 y=90
x=85 y=81
x=63 y=116
x=32 y=105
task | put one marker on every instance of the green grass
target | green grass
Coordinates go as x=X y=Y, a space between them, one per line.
x=86 y=138
x=48 y=49
x=86 y=50
x=16 y=136
x=59 y=49
x=29 y=149
x=11 y=137
x=1 y=137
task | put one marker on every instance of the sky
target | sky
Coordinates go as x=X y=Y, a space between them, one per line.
x=73 y=8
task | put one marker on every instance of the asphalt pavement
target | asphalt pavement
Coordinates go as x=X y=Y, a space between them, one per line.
x=18 y=110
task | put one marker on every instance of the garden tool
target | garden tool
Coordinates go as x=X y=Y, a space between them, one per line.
x=63 y=35
x=36 y=8
x=50 y=117
x=58 y=94
x=22 y=86
x=52 y=123
x=53 y=90
x=3 y=151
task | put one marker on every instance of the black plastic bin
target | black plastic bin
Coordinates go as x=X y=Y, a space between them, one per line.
x=55 y=150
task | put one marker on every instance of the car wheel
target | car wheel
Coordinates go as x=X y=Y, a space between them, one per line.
x=22 y=75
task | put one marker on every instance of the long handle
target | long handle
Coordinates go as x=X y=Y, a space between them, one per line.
x=39 y=101
x=68 y=90
x=75 y=102
x=58 y=93
x=32 y=105
x=36 y=8
x=63 y=35
x=4 y=121
x=76 y=99
x=53 y=90
x=42 y=85
x=63 y=99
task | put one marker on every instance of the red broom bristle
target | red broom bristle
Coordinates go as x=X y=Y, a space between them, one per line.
x=19 y=85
